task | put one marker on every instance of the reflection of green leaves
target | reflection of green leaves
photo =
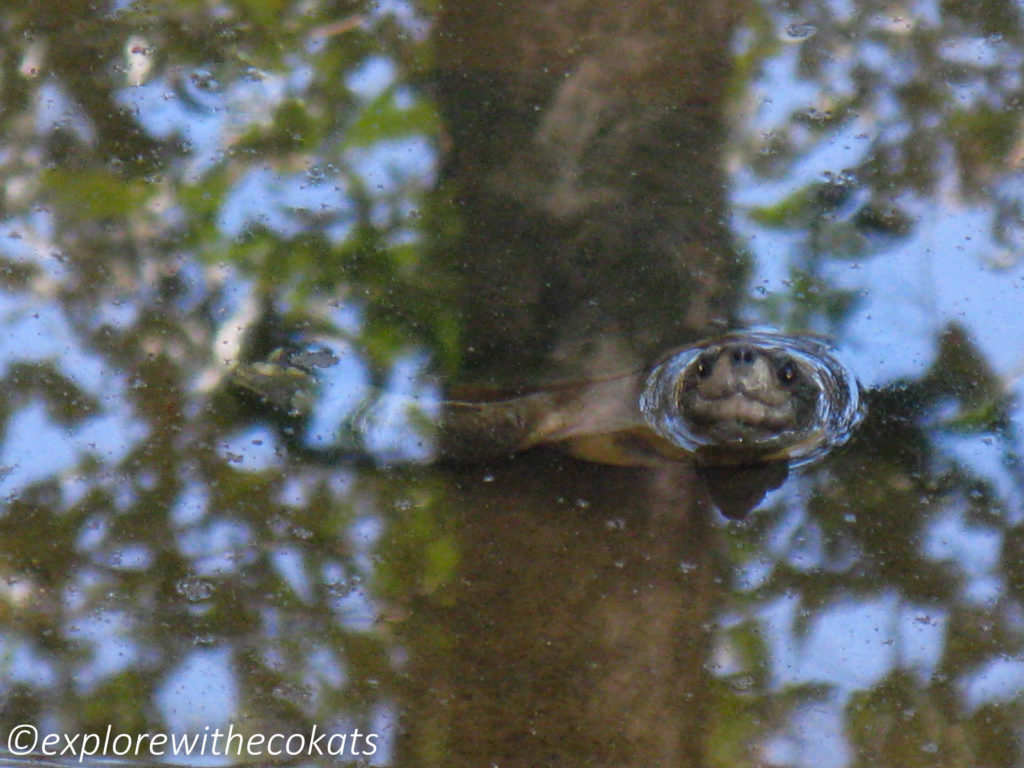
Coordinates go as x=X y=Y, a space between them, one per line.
x=136 y=210
x=66 y=402
x=991 y=17
x=422 y=550
x=808 y=296
x=293 y=130
x=898 y=722
x=794 y=212
x=815 y=207
x=742 y=719
x=962 y=372
x=882 y=219
x=901 y=106
x=267 y=13
x=387 y=118
x=88 y=195
x=974 y=637
x=441 y=556
x=982 y=138
x=862 y=537
x=747 y=643
x=121 y=700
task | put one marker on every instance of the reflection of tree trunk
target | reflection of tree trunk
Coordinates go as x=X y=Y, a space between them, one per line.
x=584 y=156
x=576 y=633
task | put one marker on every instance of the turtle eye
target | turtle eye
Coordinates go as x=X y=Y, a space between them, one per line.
x=703 y=367
x=787 y=372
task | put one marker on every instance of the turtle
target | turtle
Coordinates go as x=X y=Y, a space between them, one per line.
x=745 y=400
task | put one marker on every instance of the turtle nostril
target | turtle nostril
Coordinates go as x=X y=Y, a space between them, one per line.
x=743 y=355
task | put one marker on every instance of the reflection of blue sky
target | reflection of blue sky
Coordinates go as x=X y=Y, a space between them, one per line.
x=217 y=548
x=201 y=692
x=407 y=14
x=371 y=77
x=28 y=239
x=210 y=119
x=850 y=646
x=343 y=388
x=195 y=108
x=35 y=449
x=291 y=566
x=252 y=450
x=108 y=636
x=55 y=110
x=854 y=644
x=387 y=166
x=35 y=446
x=24 y=664
x=998 y=680
x=974 y=549
x=994 y=460
x=267 y=199
x=398 y=426
x=908 y=291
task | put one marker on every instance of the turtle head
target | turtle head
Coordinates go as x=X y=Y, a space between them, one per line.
x=752 y=397
x=738 y=391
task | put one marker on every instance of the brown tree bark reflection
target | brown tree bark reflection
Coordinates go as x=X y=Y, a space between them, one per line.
x=584 y=158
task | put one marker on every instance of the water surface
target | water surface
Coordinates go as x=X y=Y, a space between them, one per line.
x=505 y=197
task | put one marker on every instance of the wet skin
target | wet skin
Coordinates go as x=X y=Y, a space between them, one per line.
x=741 y=399
x=736 y=392
x=743 y=408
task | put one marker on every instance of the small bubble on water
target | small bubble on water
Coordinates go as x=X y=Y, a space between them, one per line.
x=204 y=81
x=797 y=32
x=743 y=683
x=344 y=587
x=194 y=590
x=814 y=115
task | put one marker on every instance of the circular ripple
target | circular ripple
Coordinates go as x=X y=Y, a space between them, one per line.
x=836 y=411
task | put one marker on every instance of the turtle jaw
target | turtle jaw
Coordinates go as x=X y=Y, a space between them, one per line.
x=741 y=417
x=736 y=394
x=752 y=397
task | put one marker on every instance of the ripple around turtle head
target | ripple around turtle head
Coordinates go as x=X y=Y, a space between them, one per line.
x=836 y=418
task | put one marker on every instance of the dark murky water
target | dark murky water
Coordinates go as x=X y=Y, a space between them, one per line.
x=490 y=197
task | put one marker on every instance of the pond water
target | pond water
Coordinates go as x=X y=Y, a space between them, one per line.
x=474 y=197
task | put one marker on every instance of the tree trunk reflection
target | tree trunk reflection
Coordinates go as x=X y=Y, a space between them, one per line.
x=584 y=159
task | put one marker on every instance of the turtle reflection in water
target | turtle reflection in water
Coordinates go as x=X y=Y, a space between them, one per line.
x=744 y=407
